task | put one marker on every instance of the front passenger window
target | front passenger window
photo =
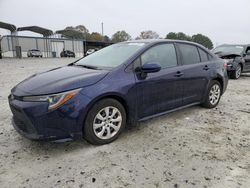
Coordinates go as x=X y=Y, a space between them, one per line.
x=164 y=54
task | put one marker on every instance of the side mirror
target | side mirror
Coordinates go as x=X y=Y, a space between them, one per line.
x=248 y=53
x=150 y=68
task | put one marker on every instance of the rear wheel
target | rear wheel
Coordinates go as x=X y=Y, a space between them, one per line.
x=236 y=74
x=213 y=94
x=105 y=122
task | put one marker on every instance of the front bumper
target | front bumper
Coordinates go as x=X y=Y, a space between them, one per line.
x=231 y=67
x=35 y=122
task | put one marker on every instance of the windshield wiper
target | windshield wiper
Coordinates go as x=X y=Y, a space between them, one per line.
x=87 y=66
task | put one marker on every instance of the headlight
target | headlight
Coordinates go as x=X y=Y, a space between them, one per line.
x=54 y=100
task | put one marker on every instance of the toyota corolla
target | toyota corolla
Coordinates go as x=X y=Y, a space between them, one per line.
x=97 y=96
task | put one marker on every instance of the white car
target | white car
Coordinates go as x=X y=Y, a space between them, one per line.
x=34 y=53
x=91 y=51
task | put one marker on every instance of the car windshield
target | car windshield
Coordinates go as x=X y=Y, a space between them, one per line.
x=111 y=56
x=233 y=49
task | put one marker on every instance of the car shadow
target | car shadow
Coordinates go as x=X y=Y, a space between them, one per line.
x=245 y=75
x=54 y=149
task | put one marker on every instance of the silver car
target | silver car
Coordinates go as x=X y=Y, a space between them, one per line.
x=34 y=53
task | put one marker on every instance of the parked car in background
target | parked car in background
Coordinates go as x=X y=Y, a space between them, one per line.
x=91 y=51
x=96 y=96
x=237 y=58
x=67 y=53
x=34 y=53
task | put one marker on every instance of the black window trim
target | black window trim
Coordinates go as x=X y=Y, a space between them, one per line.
x=200 y=54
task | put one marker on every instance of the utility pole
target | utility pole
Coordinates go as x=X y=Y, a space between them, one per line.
x=102 y=28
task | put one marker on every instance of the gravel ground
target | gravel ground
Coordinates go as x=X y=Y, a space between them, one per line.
x=194 y=147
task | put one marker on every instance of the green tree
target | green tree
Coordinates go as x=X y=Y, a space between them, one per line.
x=96 y=36
x=106 y=39
x=183 y=36
x=80 y=28
x=171 y=35
x=148 y=35
x=120 y=36
x=198 y=38
x=203 y=40
x=178 y=36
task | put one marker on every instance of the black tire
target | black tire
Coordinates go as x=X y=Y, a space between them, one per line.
x=236 y=73
x=209 y=102
x=88 y=128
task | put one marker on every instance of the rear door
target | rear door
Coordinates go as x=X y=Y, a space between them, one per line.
x=160 y=91
x=196 y=69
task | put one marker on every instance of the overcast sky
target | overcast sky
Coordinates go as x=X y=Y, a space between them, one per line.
x=224 y=21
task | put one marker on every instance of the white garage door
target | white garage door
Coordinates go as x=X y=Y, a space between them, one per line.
x=57 y=47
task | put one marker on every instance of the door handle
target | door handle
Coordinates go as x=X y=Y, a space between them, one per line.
x=206 y=68
x=178 y=74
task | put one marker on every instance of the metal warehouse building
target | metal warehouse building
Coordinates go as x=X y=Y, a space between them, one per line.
x=49 y=44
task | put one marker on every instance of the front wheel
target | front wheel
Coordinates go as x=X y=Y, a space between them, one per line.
x=237 y=72
x=104 y=122
x=213 y=95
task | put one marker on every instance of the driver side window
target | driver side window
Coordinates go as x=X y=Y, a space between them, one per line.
x=163 y=54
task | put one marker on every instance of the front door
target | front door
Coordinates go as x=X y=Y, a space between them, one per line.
x=160 y=91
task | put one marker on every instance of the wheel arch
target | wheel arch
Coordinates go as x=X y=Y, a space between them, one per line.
x=242 y=66
x=115 y=96
x=216 y=78
x=220 y=80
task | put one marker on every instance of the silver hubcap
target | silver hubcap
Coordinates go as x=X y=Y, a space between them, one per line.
x=238 y=71
x=107 y=122
x=214 y=94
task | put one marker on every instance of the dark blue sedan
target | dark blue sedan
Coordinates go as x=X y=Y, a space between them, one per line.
x=97 y=96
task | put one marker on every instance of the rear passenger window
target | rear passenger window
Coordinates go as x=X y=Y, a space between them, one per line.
x=164 y=54
x=203 y=55
x=189 y=53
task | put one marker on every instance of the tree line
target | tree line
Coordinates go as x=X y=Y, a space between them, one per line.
x=122 y=35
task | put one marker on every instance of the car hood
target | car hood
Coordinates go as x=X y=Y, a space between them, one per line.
x=226 y=55
x=58 y=80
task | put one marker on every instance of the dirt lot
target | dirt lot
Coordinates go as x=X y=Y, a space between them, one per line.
x=195 y=147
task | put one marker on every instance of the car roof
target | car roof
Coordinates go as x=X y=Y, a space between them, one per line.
x=158 y=41
x=234 y=45
x=150 y=41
